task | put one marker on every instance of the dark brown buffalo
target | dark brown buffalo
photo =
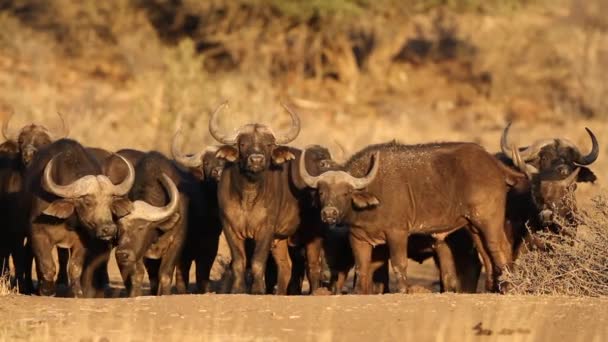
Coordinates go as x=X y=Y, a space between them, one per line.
x=553 y=167
x=202 y=241
x=257 y=199
x=153 y=232
x=455 y=256
x=10 y=185
x=16 y=153
x=392 y=190
x=70 y=203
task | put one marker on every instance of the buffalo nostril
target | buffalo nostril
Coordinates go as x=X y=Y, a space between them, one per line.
x=106 y=232
x=256 y=159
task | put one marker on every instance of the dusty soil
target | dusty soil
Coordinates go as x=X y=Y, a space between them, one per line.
x=338 y=318
x=214 y=317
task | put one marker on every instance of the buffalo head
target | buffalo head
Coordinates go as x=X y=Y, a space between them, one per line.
x=31 y=138
x=94 y=198
x=339 y=192
x=136 y=229
x=204 y=165
x=553 y=166
x=253 y=146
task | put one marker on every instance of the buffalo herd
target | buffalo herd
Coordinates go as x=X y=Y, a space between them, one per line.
x=286 y=213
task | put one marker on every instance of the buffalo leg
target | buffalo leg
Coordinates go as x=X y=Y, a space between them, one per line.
x=466 y=260
x=204 y=262
x=239 y=261
x=137 y=279
x=42 y=248
x=74 y=269
x=379 y=269
x=21 y=256
x=63 y=257
x=182 y=274
x=94 y=270
x=133 y=275
x=487 y=261
x=262 y=248
x=280 y=253
x=497 y=246
x=167 y=267
x=152 y=266
x=27 y=268
x=397 y=247
x=447 y=267
x=313 y=263
x=362 y=252
x=380 y=277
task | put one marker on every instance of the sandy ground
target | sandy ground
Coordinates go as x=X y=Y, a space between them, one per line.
x=425 y=317
x=213 y=317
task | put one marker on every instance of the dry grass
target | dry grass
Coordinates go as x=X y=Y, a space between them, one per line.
x=5 y=285
x=576 y=262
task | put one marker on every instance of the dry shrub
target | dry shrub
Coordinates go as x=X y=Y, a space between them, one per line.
x=576 y=263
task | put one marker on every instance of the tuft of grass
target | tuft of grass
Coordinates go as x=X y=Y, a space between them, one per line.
x=575 y=263
x=5 y=285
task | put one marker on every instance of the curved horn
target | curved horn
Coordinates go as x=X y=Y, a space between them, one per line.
x=192 y=161
x=78 y=188
x=214 y=130
x=571 y=178
x=595 y=150
x=527 y=153
x=310 y=181
x=125 y=186
x=293 y=132
x=504 y=145
x=65 y=130
x=5 y=132
x=151 y=213
x=360 y=183
x=527 y=169
x=341 y=158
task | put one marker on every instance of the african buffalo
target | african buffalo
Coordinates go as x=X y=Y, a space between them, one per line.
x=69 y=202
x=389 y=191
x=16 y=154
x=153 y=231
x=553 y=167
x=454 y=255
x=257 y=199
x=201 y=246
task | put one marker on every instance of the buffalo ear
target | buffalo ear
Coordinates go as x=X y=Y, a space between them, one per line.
x=122 y=207
x=586 y=175
x=362 y=200
x=61 y=209
x=281 y=155
x=227 y=153
x=197 y=172
x=169 y=223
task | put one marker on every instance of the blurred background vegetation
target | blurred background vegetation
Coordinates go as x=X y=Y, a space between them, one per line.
x=128 y=73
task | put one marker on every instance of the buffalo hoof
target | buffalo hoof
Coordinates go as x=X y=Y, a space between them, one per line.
x=321 y=291
x=238 y=290
x=504 y=287
x=418 y=289
x=258 y=290
x=77 y=293
x=47 y=288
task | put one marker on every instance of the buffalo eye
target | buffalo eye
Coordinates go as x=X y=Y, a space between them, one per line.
x=87 y=201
